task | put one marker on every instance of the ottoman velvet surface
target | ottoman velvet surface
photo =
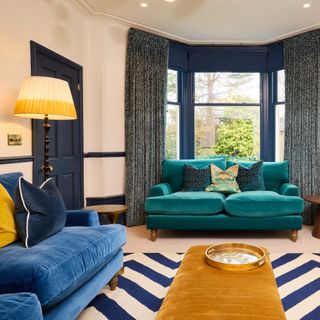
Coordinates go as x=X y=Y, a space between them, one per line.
x=199 y=291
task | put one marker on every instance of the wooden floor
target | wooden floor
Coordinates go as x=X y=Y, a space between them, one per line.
x=180 y=241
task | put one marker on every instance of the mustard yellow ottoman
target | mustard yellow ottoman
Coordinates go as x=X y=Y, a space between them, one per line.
x=199 y=291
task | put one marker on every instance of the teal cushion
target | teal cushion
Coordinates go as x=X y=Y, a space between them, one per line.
x=262 y=204
x=190 y=203
x=275 y=174
x=173 y=170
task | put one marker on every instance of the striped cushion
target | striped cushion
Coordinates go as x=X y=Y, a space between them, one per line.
x=224 y=181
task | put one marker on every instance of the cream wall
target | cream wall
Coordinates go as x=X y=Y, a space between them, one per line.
x=104 y=130
x=99 y=47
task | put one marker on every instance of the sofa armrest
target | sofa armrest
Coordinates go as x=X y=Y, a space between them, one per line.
x=161 y=189
x=87 y=218
x=288 y=189
x=22 y=305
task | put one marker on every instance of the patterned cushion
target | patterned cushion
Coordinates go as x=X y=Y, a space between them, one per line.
x=40 y=212
x=196 y=179
x=224 y=181
x=251 y=178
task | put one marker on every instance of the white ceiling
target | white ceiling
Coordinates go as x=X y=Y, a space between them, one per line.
x=212 y=21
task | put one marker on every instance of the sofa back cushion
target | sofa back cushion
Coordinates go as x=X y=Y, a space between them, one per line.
x=274 y=173
x=173 y=170
x=10 y=181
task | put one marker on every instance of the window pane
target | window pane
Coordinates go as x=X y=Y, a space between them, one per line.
x=172 y=86
x=227 y=130
x=224 y=87
x=281 y=87
x=172 y=132
x=280 y=113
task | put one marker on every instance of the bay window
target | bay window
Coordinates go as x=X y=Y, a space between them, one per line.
x=227 y=114
x=172 y=142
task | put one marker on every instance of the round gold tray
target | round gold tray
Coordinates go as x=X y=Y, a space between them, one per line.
x=235 y=256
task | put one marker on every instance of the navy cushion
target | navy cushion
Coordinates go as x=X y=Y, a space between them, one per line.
x=24 y=306
x=59 y=265
x=10 y=181
x=251 y=178
x=196 y=179
x=40 y=212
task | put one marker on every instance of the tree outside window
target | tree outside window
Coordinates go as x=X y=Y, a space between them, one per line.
x=227 y=114
x=280 y=115
x=172 y=117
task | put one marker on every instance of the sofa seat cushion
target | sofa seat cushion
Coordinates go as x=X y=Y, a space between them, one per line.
x=59 y=265
x=186 y=203
x=262 y=204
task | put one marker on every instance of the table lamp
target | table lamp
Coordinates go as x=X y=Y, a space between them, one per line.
x=49 y=99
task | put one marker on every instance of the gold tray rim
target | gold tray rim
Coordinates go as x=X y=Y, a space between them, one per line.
x=259 y=251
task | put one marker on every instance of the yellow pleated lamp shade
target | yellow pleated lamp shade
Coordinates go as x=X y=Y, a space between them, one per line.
x=44 y=96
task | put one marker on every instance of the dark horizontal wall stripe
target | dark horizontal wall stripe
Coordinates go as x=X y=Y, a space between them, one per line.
x=113 y=154
x=6 y=160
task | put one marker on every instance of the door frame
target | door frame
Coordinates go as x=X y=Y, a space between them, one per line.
x=35 y=49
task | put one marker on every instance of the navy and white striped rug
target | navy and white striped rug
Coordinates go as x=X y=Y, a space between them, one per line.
x=148 y=276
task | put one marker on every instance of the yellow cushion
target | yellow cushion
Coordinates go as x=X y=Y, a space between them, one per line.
x=8 y=230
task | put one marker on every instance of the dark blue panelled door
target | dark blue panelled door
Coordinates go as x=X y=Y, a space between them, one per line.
x=66 y=146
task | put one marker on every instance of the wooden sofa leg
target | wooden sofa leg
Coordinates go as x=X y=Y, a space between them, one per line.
x=113 y=282
x=154 y=234
x=294 y=235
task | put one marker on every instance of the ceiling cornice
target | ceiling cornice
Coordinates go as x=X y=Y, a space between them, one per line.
x=89 y=11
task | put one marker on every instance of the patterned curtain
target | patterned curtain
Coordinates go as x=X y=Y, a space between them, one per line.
x=145 y=103
x=302 y=118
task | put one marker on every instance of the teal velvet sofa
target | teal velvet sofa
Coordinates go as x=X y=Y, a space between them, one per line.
x=278 y=207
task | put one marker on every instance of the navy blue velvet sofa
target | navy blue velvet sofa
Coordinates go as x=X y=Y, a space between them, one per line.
x=57 y=278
